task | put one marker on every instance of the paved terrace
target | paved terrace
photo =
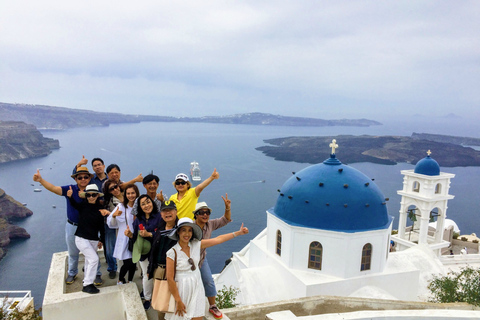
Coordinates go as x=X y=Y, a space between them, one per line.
x=114 y=301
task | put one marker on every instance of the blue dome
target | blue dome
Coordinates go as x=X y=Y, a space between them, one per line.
x=427 y=166
x=332 y=196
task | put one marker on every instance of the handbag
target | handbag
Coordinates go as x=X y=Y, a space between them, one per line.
x=162 y=299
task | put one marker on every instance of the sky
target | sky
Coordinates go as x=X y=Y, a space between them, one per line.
x=322 y=59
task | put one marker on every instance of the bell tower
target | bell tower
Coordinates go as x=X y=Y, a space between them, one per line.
x=424 y=200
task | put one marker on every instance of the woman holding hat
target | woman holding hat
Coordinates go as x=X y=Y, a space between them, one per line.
x=144 y=226
x=184 y=280
x=186 y=197
x=90 y=224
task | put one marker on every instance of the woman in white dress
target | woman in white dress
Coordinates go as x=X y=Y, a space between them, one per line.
x=120 y=218
x=186 y=285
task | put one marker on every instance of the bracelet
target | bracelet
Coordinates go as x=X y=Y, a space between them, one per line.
x=234 y=234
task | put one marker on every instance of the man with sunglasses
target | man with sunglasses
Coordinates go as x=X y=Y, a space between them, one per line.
x=82 y=178
x=202 y=219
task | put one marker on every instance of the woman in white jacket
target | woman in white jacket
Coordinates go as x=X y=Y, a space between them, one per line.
x=122 y=219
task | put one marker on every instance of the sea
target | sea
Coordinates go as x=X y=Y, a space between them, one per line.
x=250 y=179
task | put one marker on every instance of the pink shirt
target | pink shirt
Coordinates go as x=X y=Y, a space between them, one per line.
x=208 y=228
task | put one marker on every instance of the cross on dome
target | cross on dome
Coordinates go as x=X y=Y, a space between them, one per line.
x=429 y=152
x=333 y=145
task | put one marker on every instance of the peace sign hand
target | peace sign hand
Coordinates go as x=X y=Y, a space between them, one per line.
x=227 y=201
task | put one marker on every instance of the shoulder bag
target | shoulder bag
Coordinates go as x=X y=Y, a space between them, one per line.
x=162 y=299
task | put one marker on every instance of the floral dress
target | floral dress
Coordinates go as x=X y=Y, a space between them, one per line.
x=189 y=282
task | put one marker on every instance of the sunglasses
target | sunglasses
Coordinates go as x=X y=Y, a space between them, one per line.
x=190 y=260
x=91 y=195
x=82 y=177
x=203 y=212
x=113 y=187
x=180 y=183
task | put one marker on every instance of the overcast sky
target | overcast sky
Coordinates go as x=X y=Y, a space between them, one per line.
x=323 y=59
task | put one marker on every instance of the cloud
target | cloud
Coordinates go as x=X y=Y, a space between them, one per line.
x=222 y=57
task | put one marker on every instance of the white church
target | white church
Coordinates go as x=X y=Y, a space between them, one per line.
x=329 y=233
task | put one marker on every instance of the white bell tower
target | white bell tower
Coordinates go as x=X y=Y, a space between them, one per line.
x=424 y=199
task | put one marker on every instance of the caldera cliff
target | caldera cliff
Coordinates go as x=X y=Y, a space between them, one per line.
x=11 y=210
x=19 y=140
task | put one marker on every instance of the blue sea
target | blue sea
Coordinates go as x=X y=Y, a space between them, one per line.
x=168 y=149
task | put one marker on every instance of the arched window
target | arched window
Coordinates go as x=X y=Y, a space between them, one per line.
x=366 y=257
x=416 y=186
x=315 y=256
x=438 y=188
x=279 y=242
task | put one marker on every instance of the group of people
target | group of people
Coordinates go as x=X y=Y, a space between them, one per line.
x=166 y=237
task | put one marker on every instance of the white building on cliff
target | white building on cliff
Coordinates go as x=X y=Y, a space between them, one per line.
x=329 y=233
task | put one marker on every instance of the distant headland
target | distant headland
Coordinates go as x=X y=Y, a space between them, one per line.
x=389 y=150
x=59 y=118
x=19 y=140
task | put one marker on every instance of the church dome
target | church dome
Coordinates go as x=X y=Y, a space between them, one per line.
x=427 y=166
x=332 y=196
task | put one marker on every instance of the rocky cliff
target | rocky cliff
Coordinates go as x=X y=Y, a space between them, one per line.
x=11 y=209
x=19 y=140
x=59 y=118
x=48 y=117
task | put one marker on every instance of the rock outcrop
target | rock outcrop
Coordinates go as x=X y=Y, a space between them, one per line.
x=11 y=209
x=19 y=140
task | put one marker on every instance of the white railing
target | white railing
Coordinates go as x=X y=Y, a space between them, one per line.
x=19 y=299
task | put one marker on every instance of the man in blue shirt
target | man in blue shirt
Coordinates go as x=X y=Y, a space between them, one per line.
x=82 y=178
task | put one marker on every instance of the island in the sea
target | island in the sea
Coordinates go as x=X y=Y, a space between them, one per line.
x=376 y=149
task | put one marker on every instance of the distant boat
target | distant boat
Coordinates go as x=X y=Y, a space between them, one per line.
x=195 y=171
x=37 y=190
x=54 y=206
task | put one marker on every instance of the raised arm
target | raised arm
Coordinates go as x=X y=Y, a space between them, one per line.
x=37 y=177
x=228 y=212
x=198 y=189
x=138 y=178
x=206 y=243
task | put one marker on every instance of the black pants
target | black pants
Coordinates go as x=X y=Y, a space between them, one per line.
x=128 y=266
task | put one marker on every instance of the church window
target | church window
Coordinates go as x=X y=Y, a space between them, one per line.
x=366 y=257
x=416 y=186
x=279 y=242
x=438 y=188
x=315 y=256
